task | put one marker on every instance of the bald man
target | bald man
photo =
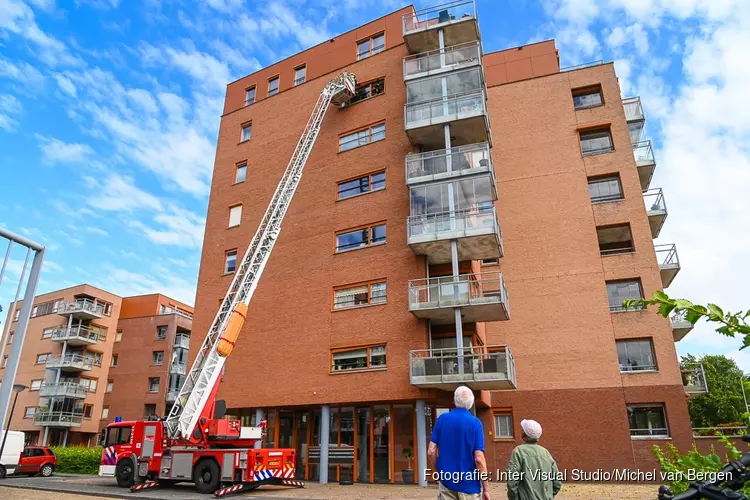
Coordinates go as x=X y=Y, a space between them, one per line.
x=532 y=471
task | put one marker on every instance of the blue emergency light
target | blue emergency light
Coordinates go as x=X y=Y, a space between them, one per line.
x=118 y=419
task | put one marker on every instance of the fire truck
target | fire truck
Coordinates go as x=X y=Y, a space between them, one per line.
x=196 y=442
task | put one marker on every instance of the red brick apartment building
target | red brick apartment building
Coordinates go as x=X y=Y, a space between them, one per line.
x=487 y=200
x=90 y=356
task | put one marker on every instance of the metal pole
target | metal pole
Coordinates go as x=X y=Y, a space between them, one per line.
x=325 y=421
x=5 y=261
x=12 y=312
x=421 y=444
x=7 y=426
x=23 y=321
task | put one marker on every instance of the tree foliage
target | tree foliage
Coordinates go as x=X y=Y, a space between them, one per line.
x=724 y=403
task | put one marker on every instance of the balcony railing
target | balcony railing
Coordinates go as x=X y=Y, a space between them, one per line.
x=656 y=209
x=178 y=312
x=448 y=59
x=58 y=418
x=463 y=160
x=172 y=395
x=75 y=335
x=182 y=341
x=65 y=389
x=178 y=368
x=633 y=109
x=694 y=379
x=667 y=257
x=86 y=306
x=432 y=17
x=483 y=297
x=644 y=160
x=680 y=325
x=490 y=367
x=443 y=109
x=453 y=224
x=73 y=361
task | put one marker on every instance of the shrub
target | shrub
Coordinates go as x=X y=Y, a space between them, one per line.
x=78 y=460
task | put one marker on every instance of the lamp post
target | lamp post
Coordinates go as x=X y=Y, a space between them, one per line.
x=17 y=388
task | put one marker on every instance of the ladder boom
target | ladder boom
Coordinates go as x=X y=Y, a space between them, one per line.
x=194 y=398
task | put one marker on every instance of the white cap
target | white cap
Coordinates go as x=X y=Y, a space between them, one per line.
x=532 y=429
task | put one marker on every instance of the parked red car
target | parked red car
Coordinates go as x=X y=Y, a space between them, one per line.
x=37 y=460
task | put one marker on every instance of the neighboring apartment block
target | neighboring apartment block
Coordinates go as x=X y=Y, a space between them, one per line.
x=90 y=356
x=468 y=218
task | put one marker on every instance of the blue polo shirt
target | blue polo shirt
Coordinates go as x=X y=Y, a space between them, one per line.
x=458 y=434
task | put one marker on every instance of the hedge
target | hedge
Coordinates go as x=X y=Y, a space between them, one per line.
x=78 y=460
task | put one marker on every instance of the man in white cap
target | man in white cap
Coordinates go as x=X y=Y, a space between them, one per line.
x=532 y=472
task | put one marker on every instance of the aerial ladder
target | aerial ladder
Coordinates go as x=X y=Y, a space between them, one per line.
x=195 y=424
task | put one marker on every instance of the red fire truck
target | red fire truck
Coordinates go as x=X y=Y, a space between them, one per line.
x=196 y=443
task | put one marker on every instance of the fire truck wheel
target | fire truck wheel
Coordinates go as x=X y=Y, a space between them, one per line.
x=125 y=473
x=206 y=476
x=2 y=472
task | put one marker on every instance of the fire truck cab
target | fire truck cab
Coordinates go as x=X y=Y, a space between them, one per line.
x=132 y=451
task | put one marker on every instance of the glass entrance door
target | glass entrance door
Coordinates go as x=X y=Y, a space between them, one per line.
x=286 y=429
x=301 y=448
x=381 y=444
x=363 y=445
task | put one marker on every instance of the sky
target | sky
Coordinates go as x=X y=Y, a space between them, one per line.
x=109 y=112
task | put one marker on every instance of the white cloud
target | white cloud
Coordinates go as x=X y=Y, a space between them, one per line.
x=57 y=151
x=118 y=193
x=179 y=227
x=9 y=106
x=65 y=85
x=126 y=283
x=97 y=231
x=22 y=72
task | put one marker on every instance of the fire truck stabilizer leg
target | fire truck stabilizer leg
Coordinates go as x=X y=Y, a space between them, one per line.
x=235 y=488
x=293 y=482
x=144 y=486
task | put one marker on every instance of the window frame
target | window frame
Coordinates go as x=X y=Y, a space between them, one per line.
x=113 y=361
x=620 y=308
x=502 y=412
x=304 y=76
x=90 y=407
x=154 y=360
x=237 y=167
x=588 y=90
x=243 y=126
x=615 y=176
x=105 y=413
x=277 y=78
x=616 y=251
x=226 y=254
x=369 y=284
x=370 y=183
x=26 y=411
x=369 y=243
x=355 y=136
x=368 y=358
x=648 y=369
x=254 y=88
x=369 y=84
x=239 y=221
x=158 y=384
x=663 y=408
x=45 y=335
x=118 y=336
x=110 y=387
x=596 y=130
x=370 y=52
x=38 y=387
x=46 y=356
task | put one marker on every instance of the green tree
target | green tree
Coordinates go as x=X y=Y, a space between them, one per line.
x=724 y=403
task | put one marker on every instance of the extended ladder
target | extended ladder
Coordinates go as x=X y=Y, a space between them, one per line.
x=204 y=374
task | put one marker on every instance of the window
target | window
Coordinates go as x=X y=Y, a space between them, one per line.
x=161 y=332
x=367 y=90
x=36 y=385
x=370 y=46
x=118 y=336
x=230 y=261
x=47 y=333
x=153 y=384
x=88 y=410
x=29 y=413
x=503 y=423
x=619 y=291
x=273 y=86
x=158 y=358
x=41 y=358
x=362 y=137
x=351 y=296
x=249 y=96
x=247 y=132
x=358 y=238
x=605 y=188
x=107 y=309
x=110 y=385
x=114 y=360
x=235 y=215
x=364 y=184
x=636 y=355
x=299 y=75
x=98 y=359
x=116 y=435
x=647 y=420
x=596 y=141
x=614 y=240
x=240 y=174
x=105 y=415
x=93 y=384
x=43 y=309
x=149 y=410
x=100 y=332
x=588 y=97
x=490 y=262
x=358 y=359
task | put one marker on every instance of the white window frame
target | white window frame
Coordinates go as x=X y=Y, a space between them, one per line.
x=235 y=215
x=105 y=413
x=35 y=385
x=226 y=261
x=509 y=426
x=246 y=132
x=300 y=80
x=110 y=385
x=151 y=386
x=240 y=167
x=248 y=102
x=276 y=90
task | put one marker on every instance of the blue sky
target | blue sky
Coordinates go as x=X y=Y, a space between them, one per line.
x=109 y=112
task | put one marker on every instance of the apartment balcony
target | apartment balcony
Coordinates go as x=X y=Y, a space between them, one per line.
x=481 y=297
x=656 y=209
x=70 y=362
x=680 y=326
x=63 y=389
x=493 y=368
x=172 y=395
x=669 y=262
x=438 y=165
x=84 y=309
x=635 y=118
x=437 y=61
x=178 y=312
x=457 y=19
x=58 y=419
x=424 y=120
x=476 y=230
x=178 y=368
x=694 y=379
x=182 y=341
x=644 y=160
x=75 y=335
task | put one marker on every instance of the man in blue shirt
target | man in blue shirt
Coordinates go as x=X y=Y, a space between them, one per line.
x=457 y=450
